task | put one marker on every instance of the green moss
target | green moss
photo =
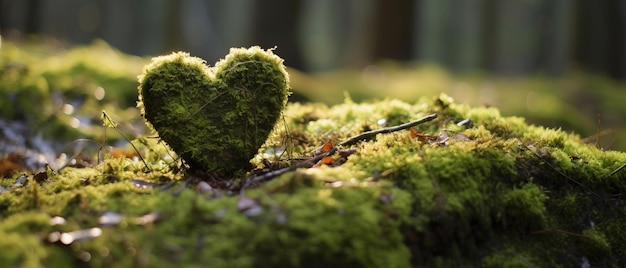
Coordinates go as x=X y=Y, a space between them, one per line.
x=38 y=79
x=566 y=102
x=510 y=256
x=215 y=118
x=21 y=86
x=522 y=208
x=502 y=194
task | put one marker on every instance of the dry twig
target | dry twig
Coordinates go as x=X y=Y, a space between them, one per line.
x=617 y=170
x=372 y=133
x=312 y=161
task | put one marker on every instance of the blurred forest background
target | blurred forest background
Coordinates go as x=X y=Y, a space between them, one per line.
x=515 y=37
x=558 y=63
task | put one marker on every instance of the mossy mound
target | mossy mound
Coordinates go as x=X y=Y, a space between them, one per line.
x=495 y=193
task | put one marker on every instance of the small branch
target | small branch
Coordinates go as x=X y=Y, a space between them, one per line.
x=270 y=175
x=370 y=134
x=312 y=161
x=601 y=133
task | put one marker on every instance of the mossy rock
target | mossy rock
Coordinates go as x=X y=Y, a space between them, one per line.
x=500 y=193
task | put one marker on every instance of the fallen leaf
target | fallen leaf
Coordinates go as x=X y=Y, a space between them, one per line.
x=119 y=152
x=41 y=177
x=327 y=147
x=10 y=165
x=323 y=149
x=421 y=137
x=327 y=160
x=460 y=137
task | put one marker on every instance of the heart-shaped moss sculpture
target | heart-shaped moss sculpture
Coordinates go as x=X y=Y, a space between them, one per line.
x=215 y=118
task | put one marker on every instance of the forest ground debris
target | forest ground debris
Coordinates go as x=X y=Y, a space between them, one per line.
x=255 y=179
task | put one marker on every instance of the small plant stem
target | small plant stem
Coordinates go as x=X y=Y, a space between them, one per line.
x=109 y=122
x=138 y=153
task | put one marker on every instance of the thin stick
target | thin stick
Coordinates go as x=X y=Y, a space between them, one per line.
x=370 y=134
x=617 y=170
x=135 y=148
x=350 y=141
x=558 y=171
x=270 y=175
x=602 y=133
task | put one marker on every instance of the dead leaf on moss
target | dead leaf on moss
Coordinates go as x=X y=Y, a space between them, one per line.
x=443 y=138
x=325 y=148
x=326 y=160
x=423 y=138
x=10 y=165
x=41 y=177
x=460 y=137
x=120 y=152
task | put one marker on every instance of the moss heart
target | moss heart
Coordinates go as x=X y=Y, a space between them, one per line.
x=215 y=118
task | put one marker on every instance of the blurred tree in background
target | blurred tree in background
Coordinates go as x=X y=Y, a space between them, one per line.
x=514 y=37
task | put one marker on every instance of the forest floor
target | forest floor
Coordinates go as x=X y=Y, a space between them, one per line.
x=468 y=186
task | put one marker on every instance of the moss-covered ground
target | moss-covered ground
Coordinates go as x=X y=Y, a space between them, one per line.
x=498 y=193
x=493 y=191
